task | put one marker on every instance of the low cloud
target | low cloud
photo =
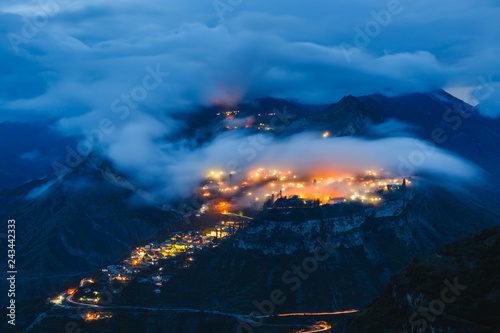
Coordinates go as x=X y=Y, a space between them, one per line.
x=87 y=54
x=174 y=170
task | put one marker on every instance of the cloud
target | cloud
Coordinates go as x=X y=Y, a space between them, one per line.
x=89 y=61
x=37 y=191
x=173 y=170
x=487 y=94
x=90 y=52
x=392 y=127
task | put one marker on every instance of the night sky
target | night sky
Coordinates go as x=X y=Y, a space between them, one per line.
x=71 y=59
x=128 y=68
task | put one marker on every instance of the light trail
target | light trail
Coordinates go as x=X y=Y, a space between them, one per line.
x=317 y=328
x=70 y=300
x=315 y=313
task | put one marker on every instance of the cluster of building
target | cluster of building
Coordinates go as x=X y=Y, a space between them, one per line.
x=261 y=121
x=89 y=316
x=177 y=252
x=275 y=188
x=179 y=249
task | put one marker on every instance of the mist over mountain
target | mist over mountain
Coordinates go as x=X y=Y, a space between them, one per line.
x=71 y=227
x=169 y=160
x=247 y=166
x=136 y=179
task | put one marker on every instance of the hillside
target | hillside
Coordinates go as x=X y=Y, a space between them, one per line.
x=94 y=215
x=76 y=225
x=455 y=289
x=369 y=245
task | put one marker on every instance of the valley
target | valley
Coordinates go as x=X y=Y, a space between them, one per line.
x=271 y=247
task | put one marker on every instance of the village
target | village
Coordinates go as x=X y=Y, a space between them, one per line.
x=157 y=259
x=264 y=189
x=154 y=263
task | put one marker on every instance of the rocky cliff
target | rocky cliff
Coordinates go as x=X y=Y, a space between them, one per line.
x=368 y=244
x=454 y=290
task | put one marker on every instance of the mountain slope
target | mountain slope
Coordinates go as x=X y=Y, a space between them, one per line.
x=349 y=116
x=446 y=122
x=456 y=289
x=76 y=225
x=370 y=244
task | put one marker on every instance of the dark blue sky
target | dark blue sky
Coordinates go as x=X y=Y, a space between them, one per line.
x=72 y=58
x=115 y=72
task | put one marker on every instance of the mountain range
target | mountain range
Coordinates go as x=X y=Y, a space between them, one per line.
x=93 y=215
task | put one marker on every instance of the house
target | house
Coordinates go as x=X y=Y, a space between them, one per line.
x=334 y=201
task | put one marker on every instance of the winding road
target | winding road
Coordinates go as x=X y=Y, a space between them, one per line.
x=319 y=327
